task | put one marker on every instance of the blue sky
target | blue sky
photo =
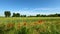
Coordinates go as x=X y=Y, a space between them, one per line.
x=30 y=7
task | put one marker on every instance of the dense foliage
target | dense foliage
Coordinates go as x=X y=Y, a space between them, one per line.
x=8 y=14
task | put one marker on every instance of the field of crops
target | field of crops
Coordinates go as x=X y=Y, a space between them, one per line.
x=30 y=25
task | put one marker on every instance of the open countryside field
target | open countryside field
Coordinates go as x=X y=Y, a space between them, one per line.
x=30 y=25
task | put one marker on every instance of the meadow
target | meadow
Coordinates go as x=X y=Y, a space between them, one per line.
x=29 y=25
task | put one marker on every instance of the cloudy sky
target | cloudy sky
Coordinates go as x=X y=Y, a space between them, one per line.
x=30 y=7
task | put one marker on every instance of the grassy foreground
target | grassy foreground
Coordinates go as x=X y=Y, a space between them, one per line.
x=30 y=25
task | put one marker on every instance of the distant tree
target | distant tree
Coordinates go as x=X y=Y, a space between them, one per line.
x=38 y=15
x=7 y=13
x=43 y=15
x=59 y=15
x=13 y=15
x=32 y=16
x=16 y=15
x=56 y=15
x=23 y=15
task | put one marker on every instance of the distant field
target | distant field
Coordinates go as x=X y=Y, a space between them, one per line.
x=21 y=19
x=30 y=25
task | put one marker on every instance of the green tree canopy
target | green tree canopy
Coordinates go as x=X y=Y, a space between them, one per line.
x=7 y=13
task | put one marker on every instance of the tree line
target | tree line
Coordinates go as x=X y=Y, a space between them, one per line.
x=8 y=14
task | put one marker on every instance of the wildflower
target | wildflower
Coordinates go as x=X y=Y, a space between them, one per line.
x=18 y=26
x=10 y=25
x=40 y=21
x=24 y=24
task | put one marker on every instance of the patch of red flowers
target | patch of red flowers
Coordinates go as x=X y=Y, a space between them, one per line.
x=40 y=21
x=10 y=25
x=18 y=25
x=25 y=24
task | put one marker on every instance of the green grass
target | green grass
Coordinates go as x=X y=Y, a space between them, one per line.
x=50 y=25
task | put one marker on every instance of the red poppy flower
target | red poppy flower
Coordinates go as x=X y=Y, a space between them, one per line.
x=24 y=24
x=18 y=26
x=40 y=21
x=10 y=25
